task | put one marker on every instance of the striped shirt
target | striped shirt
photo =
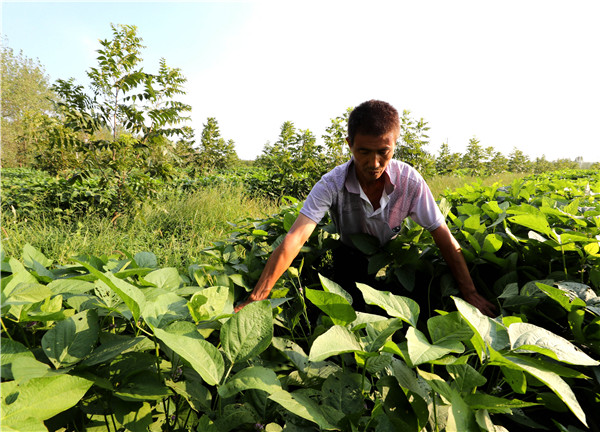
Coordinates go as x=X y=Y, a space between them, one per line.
x=405 y=194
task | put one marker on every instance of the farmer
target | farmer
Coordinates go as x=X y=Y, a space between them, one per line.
x=372 y=193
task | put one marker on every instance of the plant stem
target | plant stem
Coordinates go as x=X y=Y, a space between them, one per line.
x=5 y=329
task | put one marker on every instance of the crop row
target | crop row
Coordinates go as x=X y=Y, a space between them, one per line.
x=116 y=342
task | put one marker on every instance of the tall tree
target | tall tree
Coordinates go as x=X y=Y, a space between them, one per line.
x=446 y=162
x=518 y=162
x=413 y=139
x=215 y=152
x=337 y=150
x=472 y=160
x=123 y=127
x=25 y=93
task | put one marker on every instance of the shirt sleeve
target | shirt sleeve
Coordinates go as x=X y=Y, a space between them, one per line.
x=424 y=210
x=318 y=202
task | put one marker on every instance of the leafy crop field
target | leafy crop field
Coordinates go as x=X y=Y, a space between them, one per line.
x=117 y=342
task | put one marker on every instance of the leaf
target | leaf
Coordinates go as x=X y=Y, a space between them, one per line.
x=145 y=260
x=421 y=351
x=204 y=357
x=116 y=345
x=568 y=302
x=492 y=243
x=208 y=303
x=536 y=222
x=334 y=305
x=12 y=351
x=166 y=278
x=466 y=378
x=303 y=406
x=249 y=332
x=450 y=326
x=131 y=295
x=495 y=404
x=164 y=309
x=142 y=386
x=397 y=306
x=31 y=255
x=254 y=377
x=491 y=332
x=336 y=340
x=332 y=287
x=529 y=337
x=554 y=382
x=70 y=286
x=71 y=340
x=379 y=332
x=39 y=398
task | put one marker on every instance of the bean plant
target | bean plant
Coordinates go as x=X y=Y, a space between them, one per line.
x=117 y=342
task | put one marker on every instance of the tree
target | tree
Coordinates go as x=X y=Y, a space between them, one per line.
x=123 y=128
x=215 y=152
x=518 y=162
x=26 y=109
x=473 y=159
x=498 y=163
x=412 y=140
x=447 y=162
x=542 y=165
x=337 y=150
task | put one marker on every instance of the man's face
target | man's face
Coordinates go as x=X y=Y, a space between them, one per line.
x=372 y=155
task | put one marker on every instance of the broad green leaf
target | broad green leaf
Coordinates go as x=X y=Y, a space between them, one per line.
x=248 y=333
x=466 y=378
x=460 y=416
x=561 y=296
x=342 y=392
x=493 y=333
x=334 y=305
x=108 y=350
x=450 y=326
x=142 y=386
x=166 y=278
x=332 y=287
x=200 y=354
x=164 y=309
x=303 y=406
x=145 y=260
x=24 y=288
x=536 y=222
x=40 y=398
x=492 y=243
x=208 y=303
x=71 y=340
x=495 y=404
x=365 y=243
x=515 y=378
x=11 y=352
x=232 y=418
x=554 y=382
x=421 y=351
x=397 y=306
x=254 y=377
x=529 y=337
x=378 y=332
x=31 y=254
x=336 y=340
x=133 y=417
x=70 y=286
x=131 y=295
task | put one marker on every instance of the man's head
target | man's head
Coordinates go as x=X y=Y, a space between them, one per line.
x=373 y=118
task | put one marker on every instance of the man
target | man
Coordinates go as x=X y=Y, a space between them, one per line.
x=373 y=194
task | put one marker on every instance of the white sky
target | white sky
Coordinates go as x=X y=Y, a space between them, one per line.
x=522 y=74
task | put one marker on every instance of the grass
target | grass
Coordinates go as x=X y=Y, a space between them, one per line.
x=439 y=184
x=175 y=227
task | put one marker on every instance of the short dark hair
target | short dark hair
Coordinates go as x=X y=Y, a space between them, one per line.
x=373 y=118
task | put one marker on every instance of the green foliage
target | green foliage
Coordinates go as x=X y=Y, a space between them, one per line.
x=410 y=148
x=120 y=132
x=129 y=345
x=518 y=161
x=215 y=152
x=25 y=107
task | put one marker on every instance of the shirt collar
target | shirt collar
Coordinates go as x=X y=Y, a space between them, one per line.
x=353 y=186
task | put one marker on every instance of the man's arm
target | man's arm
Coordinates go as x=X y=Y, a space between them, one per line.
x=281 y=258
x=451 y=252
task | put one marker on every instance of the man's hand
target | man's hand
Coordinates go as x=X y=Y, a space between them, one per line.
x=481 y=303
x=242 y=305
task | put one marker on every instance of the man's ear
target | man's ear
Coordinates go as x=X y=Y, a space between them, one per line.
x=348 y=142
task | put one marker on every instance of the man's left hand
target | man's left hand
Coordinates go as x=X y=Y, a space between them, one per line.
x=481 y=303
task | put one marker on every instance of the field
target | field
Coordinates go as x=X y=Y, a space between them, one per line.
x=128 y=324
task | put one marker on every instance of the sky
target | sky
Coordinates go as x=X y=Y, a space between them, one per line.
x=513 y=74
